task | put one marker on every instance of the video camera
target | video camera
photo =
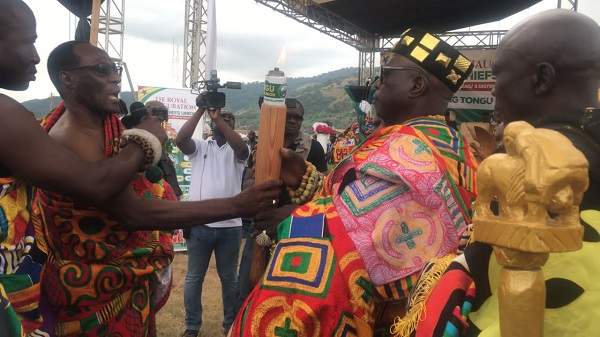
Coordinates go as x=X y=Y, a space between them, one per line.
x=213 y=98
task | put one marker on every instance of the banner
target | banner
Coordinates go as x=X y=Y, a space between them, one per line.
x=182 y=105
x=475 y=97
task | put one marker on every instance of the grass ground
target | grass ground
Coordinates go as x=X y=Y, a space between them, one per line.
x=170 y=319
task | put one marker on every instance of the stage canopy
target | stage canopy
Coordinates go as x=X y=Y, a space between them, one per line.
x=390 y=18
x=386 y=18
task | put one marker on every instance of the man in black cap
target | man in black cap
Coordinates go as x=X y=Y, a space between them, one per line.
x=348 y=256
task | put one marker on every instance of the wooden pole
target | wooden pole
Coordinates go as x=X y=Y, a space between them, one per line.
x=95 y=23
x=271 y=130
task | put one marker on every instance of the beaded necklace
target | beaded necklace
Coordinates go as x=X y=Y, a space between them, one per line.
x=112 y=129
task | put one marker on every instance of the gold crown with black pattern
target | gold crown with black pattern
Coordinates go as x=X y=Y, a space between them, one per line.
x=436 y=56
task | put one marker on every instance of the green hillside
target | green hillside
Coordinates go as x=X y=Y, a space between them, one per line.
x=323 y=97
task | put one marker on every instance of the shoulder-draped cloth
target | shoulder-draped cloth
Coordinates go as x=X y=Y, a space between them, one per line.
x=400 y=199
x=101 y=279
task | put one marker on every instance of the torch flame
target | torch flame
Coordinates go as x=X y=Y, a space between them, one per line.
x=281 y=57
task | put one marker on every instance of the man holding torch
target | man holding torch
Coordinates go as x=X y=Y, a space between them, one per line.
x=363 y=234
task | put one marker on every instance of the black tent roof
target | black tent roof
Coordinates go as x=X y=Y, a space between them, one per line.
x=389 y=18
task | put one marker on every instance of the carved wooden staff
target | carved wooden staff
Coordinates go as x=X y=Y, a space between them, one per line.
x=271 y=130
x=542 y=171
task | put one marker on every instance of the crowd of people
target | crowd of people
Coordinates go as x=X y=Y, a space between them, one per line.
x=87 y=211
x=95 y=211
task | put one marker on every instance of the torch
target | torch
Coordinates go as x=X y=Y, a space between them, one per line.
x=268 y=160
x=271 y=127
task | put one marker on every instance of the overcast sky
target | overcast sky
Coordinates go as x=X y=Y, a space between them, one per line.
x=250 y=39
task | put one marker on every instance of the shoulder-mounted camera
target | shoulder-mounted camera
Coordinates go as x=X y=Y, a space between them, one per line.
x=214 y=98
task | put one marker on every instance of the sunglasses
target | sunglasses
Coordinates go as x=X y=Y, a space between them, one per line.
x=102 y=69
x=386 y=70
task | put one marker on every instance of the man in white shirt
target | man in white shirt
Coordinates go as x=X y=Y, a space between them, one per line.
x=217 y=166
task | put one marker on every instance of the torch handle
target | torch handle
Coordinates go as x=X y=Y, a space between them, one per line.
x=270 y=132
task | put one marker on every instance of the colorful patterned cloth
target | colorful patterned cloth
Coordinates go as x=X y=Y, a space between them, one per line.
x=444 y=308
x=398 y=200
x=100 y=279
x=572 y=288
x=20 y=262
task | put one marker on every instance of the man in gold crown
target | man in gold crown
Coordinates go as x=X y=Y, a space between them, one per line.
x=350 y=254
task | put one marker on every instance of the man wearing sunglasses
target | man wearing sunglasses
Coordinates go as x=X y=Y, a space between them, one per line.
x=123 y=245
x=29 y=157
x=348 y=257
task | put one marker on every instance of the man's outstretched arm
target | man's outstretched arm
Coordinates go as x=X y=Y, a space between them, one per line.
x=135 y=213
x=184 y=139
x=32 y=156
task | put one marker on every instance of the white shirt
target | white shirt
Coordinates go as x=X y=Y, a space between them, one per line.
x=216 y=173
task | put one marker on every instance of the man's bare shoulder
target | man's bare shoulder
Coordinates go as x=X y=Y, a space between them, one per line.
x=14 y=116
x=85 y=143
x=21 y=136
x=6 y=97
x=9 y=105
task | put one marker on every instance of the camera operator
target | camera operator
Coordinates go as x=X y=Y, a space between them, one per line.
x=217 y=166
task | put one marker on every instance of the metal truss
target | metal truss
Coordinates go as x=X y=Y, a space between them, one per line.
x=460 y=40
x=311 y=14
x=111 y=33
x=111 y=30
x=194 y=59
x=315 y=16
x=573 y=4
x=366 y=61
x=473 y=40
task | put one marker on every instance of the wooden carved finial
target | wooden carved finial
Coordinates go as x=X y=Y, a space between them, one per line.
x=539 y=184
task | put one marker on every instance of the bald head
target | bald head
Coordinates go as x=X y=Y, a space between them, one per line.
x=564 y=38
x=547 y=64
x=10 y=15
